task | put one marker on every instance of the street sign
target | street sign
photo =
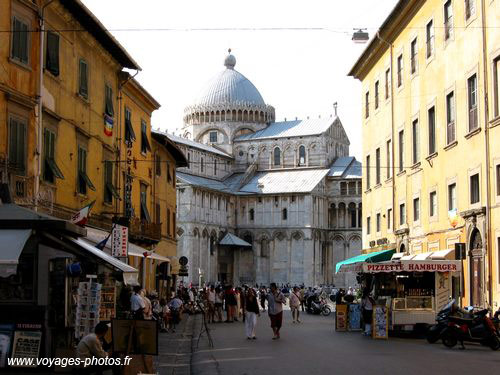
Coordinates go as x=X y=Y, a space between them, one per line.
x=183 y=261
x=119 y=241
x=183 y=270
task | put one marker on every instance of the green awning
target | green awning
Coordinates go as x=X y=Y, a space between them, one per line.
x=378 y=256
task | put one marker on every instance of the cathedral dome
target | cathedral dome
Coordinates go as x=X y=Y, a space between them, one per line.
x=229 y=91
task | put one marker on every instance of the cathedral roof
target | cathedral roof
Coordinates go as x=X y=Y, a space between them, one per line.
x=198 y=145
x=296 y=128
x=345 y=167
x=229 y=87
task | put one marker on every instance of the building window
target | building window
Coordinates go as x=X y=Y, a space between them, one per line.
x=83 y=179
x=472 y=102
x=429 y=37
x=215 y=167
x=251 y=214
x=377 y=166
x=52 y=53
x=448 y=20
x=110 y=191
x=367 y=104
x=402 y=214
x=452 y=197
x=83 y=79
x=201 y=165
x=168 y=222
x=450 y=118
x=108 y=101
x=470 y=9
x=401 y=150
x=376 y=94
x=431 y=118
x=129 y=129
x=343 y=188
x=189 y=160
x=368 y=172
x=368 y=225
x=213 y=137
x=20 y=41
x=498 y=179
x=389 y=218
x=144 y=204
x=400 y=70
x=413 y=56
x=302 y=155
x=173 y=224
x=378 y=222
x=284 y=214
x=474 y=188
x=416 y=209
x=17 y=144
x=145 y=146
x=416 y=142
x=432 y=204
x=496 y=85
x=51 y=170
x=157 y=213
x=169 y=175
x=277 y=156
x=387 y=83
x=158 y=165
x=389 y=158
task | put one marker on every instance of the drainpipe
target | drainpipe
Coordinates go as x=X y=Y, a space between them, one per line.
x=393 y=141
x=487 y=159
x=39 y=126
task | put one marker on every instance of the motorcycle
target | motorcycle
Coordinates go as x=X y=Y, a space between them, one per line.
x=315 y=306
x=478 y=328
x=434 y=331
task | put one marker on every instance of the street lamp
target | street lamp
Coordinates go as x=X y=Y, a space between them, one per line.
x=360 y=36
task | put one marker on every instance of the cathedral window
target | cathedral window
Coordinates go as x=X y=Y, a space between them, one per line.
x=201 y=164
x=251 y=214
x=277 y=156
x=213 y=137
x=302 y=155
x=284 y=214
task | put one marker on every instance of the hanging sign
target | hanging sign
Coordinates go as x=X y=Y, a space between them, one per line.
x=119 y=241
x=380 y=322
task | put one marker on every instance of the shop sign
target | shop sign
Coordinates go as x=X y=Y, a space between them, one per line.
x=27 y=345
x=119 y=241
x=346 y=268
x=390 y=267
x=413 y=266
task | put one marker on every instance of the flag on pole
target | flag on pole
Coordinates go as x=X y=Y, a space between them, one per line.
x=82 y=216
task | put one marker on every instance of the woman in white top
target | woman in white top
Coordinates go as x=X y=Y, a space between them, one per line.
x=367 y=303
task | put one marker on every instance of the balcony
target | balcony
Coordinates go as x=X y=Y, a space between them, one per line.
x=144 y=232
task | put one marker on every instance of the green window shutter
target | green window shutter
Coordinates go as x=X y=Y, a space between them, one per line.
x=109 y=101
x=145 y=146
x=13 y=142
x=24 y=43
x=52 y=53
x=129 y=129
x=21 y=145
x=16 y=38
x=83 y=89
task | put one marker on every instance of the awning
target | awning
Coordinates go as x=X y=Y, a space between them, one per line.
x=94 y=236
x=130 y=274
x=355 y=264
x=13 y=241
x=232 y=240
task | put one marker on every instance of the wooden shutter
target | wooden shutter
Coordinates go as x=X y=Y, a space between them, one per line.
x=52 y=58
x=83 y=89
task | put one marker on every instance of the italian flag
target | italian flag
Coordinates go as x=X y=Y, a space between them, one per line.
x=82 y=216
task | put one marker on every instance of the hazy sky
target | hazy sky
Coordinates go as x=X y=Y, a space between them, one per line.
x=300 y=73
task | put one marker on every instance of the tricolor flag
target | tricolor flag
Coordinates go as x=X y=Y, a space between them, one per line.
x=108 y=125
x=82 y=216
x=101 y=245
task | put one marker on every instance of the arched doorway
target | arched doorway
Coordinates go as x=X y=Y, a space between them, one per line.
x=402 y=248
x=475 y=267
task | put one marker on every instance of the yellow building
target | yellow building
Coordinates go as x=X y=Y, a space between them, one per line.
x=431 y=144
x=91 y=141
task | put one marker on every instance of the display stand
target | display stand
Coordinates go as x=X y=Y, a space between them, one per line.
x=108 y=301
x=87 y=312
x=341 y=318
x=354 y=317
x=380 y=324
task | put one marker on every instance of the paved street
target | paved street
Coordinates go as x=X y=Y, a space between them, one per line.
x=314 y=348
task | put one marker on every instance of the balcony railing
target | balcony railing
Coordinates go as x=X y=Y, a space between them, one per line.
x=144 y=231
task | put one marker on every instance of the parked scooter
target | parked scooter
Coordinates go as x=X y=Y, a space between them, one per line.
x=478 y=328
x=315 y=305
x=434 y=332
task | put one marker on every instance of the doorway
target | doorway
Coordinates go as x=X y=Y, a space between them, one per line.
x=475 y=267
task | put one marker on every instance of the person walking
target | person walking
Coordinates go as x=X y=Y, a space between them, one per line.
x=219 y=298
x=367 y=303
x=302 y=296
x=252 y=311
x=137 y=304
x=295 y=304
x=275 y=300
x=263 y=297
x=211 y=304
x=175 y=306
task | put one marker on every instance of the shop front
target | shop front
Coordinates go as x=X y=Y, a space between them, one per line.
x=54 y=287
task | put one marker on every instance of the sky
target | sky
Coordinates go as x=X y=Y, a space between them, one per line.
x=299 y=72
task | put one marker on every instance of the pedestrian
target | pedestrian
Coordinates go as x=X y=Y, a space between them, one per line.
x=367 y=303
x=211 y=304
x=90 y=347
x=263 y=297
x=148 y=307
x=219 y=299
x=164 y=316
x=295 y=304
x=302 y=296
x=137 y=304
x=251 y=312
x=230 y=299
x=275 y=300
x=175 y=311
x=237 y=295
